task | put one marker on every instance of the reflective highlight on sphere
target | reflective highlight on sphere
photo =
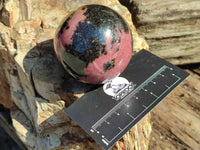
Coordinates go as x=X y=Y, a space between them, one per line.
x=94 y=44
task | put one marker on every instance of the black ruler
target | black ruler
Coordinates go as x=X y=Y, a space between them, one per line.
x=144 y=83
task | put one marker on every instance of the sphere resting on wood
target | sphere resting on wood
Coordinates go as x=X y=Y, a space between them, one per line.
x=94 y=44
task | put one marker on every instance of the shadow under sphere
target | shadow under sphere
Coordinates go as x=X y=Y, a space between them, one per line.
x=48 y=76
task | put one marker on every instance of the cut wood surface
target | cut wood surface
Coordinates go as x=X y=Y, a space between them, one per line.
x=171 y=28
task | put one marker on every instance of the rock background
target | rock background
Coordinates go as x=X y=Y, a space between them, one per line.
x=39 y=87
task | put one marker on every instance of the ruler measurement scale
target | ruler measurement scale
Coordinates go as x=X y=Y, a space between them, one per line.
x=107 y=120
x=134 y=91
x=123 y=102
x=106 y=141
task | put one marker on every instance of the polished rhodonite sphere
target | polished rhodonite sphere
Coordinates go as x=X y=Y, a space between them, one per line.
x=94 y=44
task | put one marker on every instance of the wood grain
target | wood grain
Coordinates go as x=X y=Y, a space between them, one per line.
x=5 y=97
x=176 y=120
x=171 y=28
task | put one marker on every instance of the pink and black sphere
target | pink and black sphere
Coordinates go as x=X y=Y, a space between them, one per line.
x=94 y=44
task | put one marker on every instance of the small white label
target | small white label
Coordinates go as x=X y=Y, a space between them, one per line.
x=118 y=88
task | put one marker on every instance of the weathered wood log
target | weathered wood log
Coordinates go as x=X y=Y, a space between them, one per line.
x=40 y=87
x=176 y=120
x=171 y=28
